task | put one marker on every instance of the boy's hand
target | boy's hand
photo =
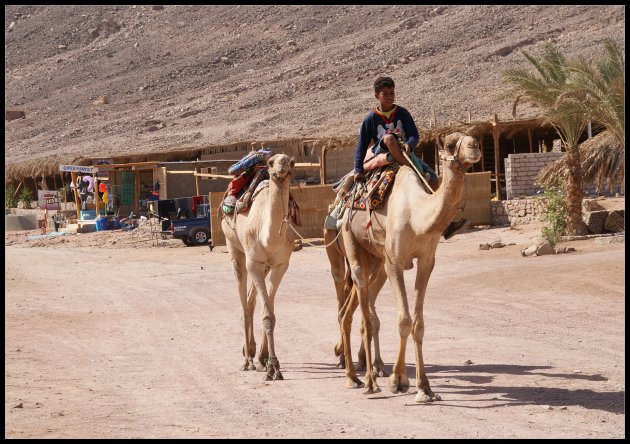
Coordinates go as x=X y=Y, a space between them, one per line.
x=407 y=148
x=358 y=177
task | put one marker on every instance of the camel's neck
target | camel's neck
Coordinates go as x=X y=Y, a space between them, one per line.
x=442 y=206
x=276 y=224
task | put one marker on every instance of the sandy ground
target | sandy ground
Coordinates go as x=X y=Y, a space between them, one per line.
x=109 y=338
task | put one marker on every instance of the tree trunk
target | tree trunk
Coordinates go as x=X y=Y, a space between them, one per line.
x=574 y=193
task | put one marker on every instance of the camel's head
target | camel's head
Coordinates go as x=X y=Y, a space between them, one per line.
x=461 y=150
x=279 y=167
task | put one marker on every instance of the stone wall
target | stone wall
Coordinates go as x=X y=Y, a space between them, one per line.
x=516 y=211
x=522 y=211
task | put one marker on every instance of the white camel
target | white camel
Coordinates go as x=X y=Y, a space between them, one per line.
x=260 y=243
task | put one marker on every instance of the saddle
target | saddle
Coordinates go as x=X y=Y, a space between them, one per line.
x=253 y=176
x=378 y=182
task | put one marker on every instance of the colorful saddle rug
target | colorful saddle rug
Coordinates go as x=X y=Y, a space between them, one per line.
x=241 y=202
x=378 y=183
x=249 y=161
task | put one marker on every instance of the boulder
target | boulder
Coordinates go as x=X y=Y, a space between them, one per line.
x=529 y=251
x=545 y=249
x=615 y=222
x=595 y=220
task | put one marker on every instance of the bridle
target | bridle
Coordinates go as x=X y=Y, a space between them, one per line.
x=454 y=157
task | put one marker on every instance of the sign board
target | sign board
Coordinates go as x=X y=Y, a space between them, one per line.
x=76 y=169
x=48 y=199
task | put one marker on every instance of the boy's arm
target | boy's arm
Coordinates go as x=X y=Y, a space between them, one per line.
x=361 y=148
x=411 y=131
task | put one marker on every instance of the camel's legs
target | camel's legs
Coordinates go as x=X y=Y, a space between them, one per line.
x=257 y=272
x=377 y=280
x=238 y=263
x=425 y=394
x=339 y=275
x=263 y=352
x=360 y=276
x=352 y=380
x=398 y=381
x=249 y=326
x=275 y=277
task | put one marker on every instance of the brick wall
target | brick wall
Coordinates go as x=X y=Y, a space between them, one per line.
x=521 y=171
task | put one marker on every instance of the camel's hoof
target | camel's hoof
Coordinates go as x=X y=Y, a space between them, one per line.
x=248 y=366
x=372 y=390
x=422 y=397
x=341 y=365
x=278 y=376
x=267 y=378
x=398 y=383
x=354 y=384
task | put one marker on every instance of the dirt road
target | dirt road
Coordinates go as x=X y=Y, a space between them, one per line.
x=146 y=342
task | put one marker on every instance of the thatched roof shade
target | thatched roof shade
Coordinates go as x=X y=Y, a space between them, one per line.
x=602 y=157
x=41 y=166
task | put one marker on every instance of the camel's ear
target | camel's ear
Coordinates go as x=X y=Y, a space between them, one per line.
x=451 y=140
x=292 y=162
x=270 y=162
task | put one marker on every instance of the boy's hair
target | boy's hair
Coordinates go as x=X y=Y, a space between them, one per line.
x=383 y=82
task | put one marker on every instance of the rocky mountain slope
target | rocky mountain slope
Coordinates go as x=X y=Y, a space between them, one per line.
x=102 y=80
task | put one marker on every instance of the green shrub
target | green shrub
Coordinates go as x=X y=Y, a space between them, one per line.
x=26 y=197
x=10 y=199
x=554 y=212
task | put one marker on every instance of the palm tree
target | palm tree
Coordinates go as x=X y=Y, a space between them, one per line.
x=547 y=89
x=600 y=89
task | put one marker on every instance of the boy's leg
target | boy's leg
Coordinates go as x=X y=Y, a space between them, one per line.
x=391 y=142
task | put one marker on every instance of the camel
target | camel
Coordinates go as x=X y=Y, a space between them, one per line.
x=260 y=243
x=381 y=244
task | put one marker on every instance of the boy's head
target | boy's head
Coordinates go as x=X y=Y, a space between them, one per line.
x=384 y=92
x=383 y=82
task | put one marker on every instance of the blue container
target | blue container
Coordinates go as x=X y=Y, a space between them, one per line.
x=114 y=224
x=101 y=223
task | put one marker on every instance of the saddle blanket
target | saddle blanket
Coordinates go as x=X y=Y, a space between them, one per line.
x=377 y=184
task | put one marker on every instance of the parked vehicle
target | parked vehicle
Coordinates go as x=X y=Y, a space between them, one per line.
x=193 y=230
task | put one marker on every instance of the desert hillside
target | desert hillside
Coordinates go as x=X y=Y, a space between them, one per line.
x=102 y=80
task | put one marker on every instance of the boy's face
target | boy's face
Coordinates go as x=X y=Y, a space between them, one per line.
x=386 y=98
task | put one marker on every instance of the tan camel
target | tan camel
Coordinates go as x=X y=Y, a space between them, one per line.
x=260 y=243
x=408 y=225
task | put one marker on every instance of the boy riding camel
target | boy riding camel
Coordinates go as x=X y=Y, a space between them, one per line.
x=392 y=129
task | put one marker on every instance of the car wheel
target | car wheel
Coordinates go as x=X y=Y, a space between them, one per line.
x=199 y=236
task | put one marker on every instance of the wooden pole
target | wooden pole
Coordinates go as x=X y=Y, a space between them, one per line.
x=18 y=187
x=322 y=162
x=481 y=146
x=495 y=136
x=529 y=134
x=197 y=181
x=136 y=190
x=77 y=199
x=96 y=199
